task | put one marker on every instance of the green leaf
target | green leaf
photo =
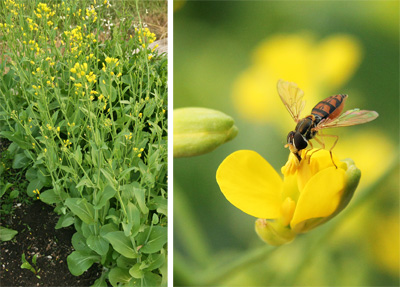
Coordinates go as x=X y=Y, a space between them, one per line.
x=119 y=275
x=100 y=282
x=111 y=180
x=33 y=185
x=14 y=194
x=27 y=265
x=98 y=244
x=50 y=197
x=78 y=242
x=85 y=182
x=20 y=161
x=80 y=261
x=45 y=179
x=4 y=188
x=64 y=220
x=151 y=279
x=105 y=196
x=140 y=197
x=34 y=258
x=78 y=155
x=7 y=234
x=121 y=243
x=67 y=169
x=133 y=217
x=31 y=174
x=154 y=261
x=135 y=271
x=16 y=138
x=80 y=207
x=156 y=241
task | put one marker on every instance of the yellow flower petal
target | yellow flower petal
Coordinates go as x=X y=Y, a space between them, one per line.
x=321 y=195
x=251 y=184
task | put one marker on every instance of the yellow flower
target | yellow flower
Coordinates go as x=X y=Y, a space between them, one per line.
x=319 y=67
x=310 y=193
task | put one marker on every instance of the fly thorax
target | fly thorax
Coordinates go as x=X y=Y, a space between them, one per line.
x=304 y=127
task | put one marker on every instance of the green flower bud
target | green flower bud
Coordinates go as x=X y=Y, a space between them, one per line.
x=274 y=233
x=198 y=131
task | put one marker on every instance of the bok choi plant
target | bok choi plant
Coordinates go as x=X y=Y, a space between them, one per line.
x=84 y=103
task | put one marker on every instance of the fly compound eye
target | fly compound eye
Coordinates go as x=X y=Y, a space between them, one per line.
x=299 y=141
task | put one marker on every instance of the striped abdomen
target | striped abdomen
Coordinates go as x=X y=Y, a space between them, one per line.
x=329 y=108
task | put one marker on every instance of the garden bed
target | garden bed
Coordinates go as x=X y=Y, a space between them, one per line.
x=36 y=235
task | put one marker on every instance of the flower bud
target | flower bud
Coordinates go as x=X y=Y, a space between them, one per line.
x=274 y=233
x=198 y=131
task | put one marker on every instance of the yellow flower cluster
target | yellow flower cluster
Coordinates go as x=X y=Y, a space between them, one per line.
x=13 y=7
x=81 y=73
x=138 y=151
x=37 y=192
x=79 y=41
x=145 y=36
x=91 y=13
x=43 y=10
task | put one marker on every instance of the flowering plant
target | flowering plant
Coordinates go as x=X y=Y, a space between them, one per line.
x=86 y=112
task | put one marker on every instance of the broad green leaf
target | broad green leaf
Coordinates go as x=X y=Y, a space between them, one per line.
x=7 y=234
x=133 y=217
x=31 y=174
x=156 y=240
x=45 y=179
x=80 y=261
x=110 y=227
x=78 y=242
x=78 y=155
x=121 y=243
x=100 y=282
x=67 y=169
x=50 y=197
x=140 y=197
x=13 y=194
x=16 y=138
x=98 y=244
x=20 y=161
x=85 y=182
x=154 y=261
x=80 y=207
x=65 y=220
x=160 y=204
x=135 y=271
x=105 y=196
x=125 y=263
x=119 y=275
x=111 y=180
x=88 y=229
x=151 y=279
x=33 y=185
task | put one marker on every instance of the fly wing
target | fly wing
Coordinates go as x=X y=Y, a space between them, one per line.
x=348 y=118
x=292 y=98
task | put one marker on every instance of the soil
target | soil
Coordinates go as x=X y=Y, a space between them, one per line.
x=36 y=235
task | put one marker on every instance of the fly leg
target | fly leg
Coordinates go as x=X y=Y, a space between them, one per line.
x=330 y=150
x=321 y=143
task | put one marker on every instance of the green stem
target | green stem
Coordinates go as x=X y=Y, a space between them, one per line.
x=191 y=233
x=226 y=270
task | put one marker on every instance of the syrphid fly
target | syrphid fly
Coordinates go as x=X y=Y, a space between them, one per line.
x=326 y=114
